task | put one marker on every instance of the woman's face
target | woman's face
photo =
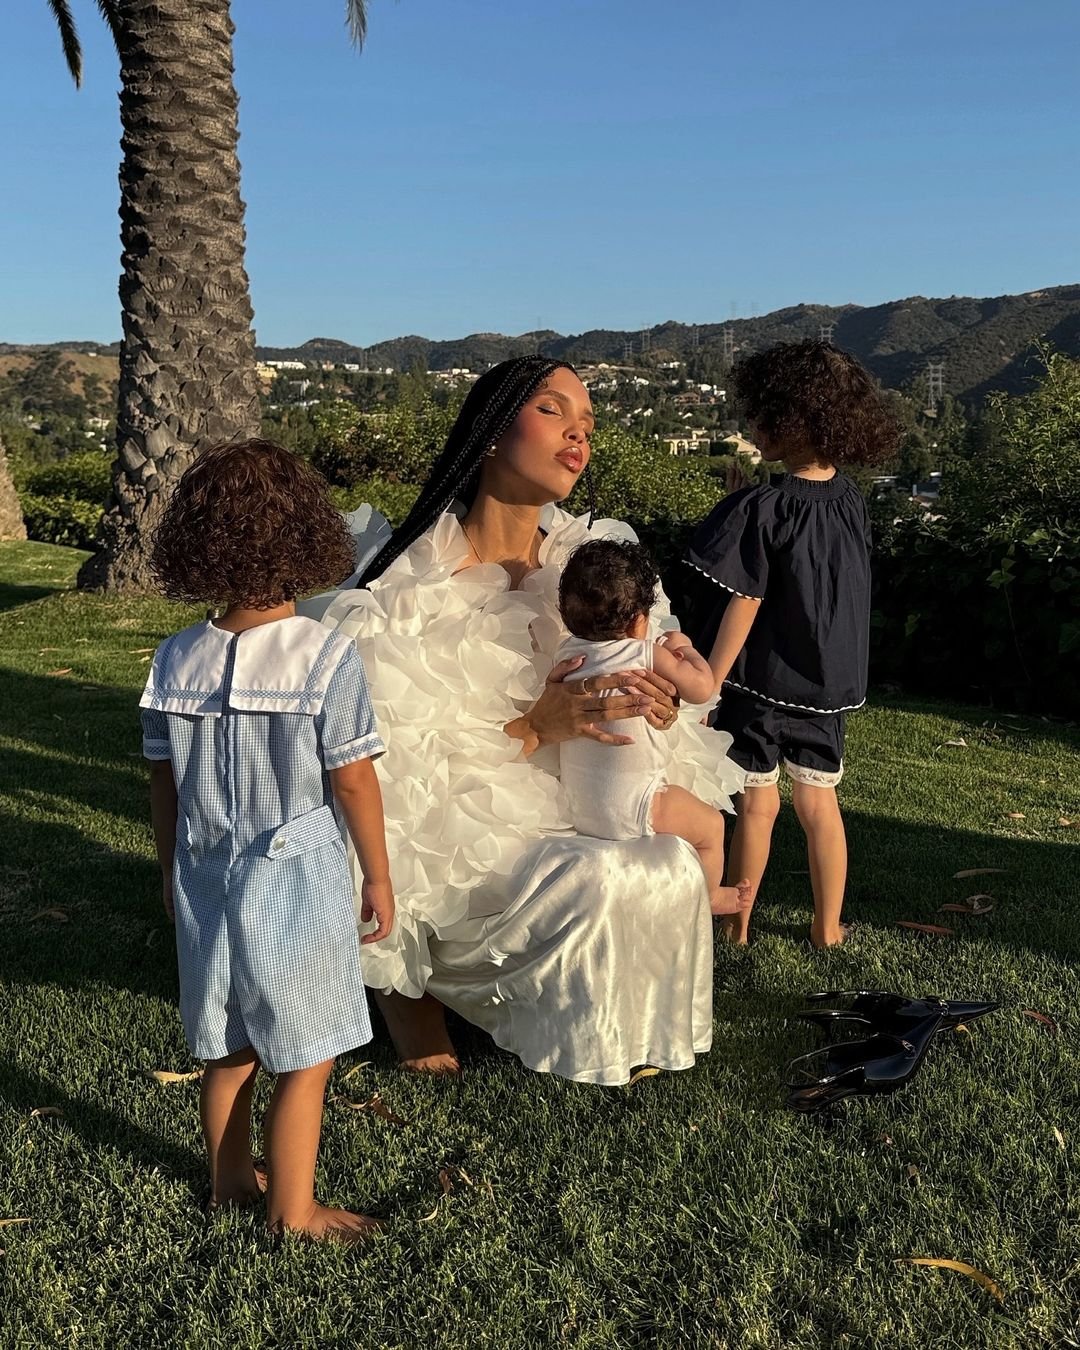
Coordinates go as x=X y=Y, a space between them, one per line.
x=544 y=452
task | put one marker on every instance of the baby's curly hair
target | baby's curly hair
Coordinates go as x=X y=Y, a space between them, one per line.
x=250 y=524
x=813 y=397
x=605 y=585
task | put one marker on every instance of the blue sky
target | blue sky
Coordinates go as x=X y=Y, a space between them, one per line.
x=497 y=165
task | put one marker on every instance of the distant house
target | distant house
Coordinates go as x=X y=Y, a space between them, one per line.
x=691 y=441
x=287 y=365
x=734 y=444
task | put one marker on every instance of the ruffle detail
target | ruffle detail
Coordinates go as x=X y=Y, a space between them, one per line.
x=448 y=665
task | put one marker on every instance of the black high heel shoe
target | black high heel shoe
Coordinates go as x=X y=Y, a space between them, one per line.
x=880 y=1064
x=891 y=1014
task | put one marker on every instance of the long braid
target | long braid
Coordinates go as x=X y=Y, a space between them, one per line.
x=486 y=415
x=590 y=493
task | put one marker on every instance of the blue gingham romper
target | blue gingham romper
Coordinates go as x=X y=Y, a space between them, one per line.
x=266 y=931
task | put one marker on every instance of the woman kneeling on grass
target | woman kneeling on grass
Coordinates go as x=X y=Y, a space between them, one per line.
x=782 y=604
x=257 y=725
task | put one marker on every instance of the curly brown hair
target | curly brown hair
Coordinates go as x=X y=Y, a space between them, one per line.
x=250 y=524
x=814 y=398
x=605 y=585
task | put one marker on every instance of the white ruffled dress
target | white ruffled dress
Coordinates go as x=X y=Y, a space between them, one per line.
x=583 y=957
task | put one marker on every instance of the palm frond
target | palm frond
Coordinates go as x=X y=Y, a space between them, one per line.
x=356 y=21
x=69 y=37
x=110 y=12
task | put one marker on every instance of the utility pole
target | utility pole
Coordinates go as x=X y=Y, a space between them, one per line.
x=935 y=385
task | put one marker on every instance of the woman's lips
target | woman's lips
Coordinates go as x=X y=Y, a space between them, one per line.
x=573 y=460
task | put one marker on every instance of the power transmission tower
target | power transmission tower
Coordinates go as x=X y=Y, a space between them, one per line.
x=935 y=384
x=695 y=337
x=628 y=350
x=825 y=332
x=727 y=336
x=644 y=341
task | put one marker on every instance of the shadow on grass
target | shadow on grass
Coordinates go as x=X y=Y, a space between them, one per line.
x=99 y=1127
x=12 y=596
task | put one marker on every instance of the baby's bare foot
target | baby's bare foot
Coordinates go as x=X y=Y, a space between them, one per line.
x=446 y=1065
x=731 y=899
x=332 y=1225
x=820 y=937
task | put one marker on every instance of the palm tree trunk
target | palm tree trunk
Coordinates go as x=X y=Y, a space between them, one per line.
x=12 y=525
x=187 y=364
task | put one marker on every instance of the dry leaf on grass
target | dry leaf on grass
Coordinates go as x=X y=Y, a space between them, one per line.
x=961 y=1030
x=978 y=872
x=46 y=1111
x=974 y=904
x=152 y=937
x=1015 y=815
x=1047 y=1022
x=57 y=915
x=364 y=1064
x=167 y=1075
x=962 y=1266
x=49 y=649
x=141 y=651
x=913 y=1173
x=1060 y=1139
x=8 y=1223
x=64 y=670
x=376 y=1106
x=642 y=1073
x=1068 y=824
x=935 y=928
x=958 y=744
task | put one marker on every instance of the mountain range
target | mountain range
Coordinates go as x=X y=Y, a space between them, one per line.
x=983 y=344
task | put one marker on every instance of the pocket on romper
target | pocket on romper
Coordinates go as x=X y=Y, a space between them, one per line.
x=304 y=834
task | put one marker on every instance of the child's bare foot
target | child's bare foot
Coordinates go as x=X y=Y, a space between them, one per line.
x=331 y=1225
x=446 y=1065
x=731 y=899
x=821 y=937
x=239 y=1192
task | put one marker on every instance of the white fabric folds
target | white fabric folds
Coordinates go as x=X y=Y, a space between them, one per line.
x=583 y=957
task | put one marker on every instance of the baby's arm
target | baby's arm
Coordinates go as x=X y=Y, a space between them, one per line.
x=163 y=809
x=357 y=793
x=675 y=659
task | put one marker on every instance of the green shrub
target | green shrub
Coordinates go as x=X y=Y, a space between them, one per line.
x=397 y=445
x=392 y=499
x=987 y=598
x=61 y=519
x=86 y=477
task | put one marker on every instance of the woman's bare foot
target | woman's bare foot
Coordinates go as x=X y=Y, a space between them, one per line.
x=731 y=899
x=239 y=1192
x=820 y=939
x=417 y=1027
x=331 y=1225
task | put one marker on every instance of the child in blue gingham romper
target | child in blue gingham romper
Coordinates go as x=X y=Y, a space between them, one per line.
x=258 y=723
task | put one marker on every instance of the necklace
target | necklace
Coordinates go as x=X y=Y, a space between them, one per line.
x=511 y=568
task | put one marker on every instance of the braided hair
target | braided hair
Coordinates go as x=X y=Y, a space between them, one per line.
x=486 y=415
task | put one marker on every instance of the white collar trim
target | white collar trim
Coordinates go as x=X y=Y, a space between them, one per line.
x=284 y=666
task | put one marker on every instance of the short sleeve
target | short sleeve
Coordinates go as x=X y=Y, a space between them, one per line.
x=730 y=546
x=346 y=725
x=155 y=733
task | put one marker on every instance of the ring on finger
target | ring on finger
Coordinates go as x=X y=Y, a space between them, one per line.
x=585 y=685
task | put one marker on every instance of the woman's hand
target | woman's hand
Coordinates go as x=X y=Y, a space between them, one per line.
x=570 y=708
x=735 y=479
x=663 y=709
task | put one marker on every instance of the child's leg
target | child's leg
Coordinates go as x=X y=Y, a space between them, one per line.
x=676 y=811
x=225 y=1112
x=750 y=844
x=292 y=1127
x=819 y=814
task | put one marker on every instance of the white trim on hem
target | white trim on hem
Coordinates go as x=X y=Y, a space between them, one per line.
x=726 y=587
x=798 y=707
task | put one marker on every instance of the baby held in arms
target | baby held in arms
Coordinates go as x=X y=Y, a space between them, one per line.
x=606 y=593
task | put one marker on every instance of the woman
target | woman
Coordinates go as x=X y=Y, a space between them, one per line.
x=583 y=957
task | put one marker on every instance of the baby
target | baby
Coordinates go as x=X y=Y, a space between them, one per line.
x=606 y=593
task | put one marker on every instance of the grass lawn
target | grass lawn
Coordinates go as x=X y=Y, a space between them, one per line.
x=690 y=1209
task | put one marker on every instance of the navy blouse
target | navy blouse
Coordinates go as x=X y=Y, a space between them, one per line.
x=801 y=546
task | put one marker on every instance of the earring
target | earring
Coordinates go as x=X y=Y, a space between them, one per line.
x=489 y=453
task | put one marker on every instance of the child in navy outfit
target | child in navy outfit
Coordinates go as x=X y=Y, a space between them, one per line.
x=782 y=603
x=258 y=724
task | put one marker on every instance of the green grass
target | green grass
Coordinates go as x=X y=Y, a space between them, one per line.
x=691 y=1209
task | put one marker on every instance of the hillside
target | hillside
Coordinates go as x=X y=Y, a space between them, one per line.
x=985 y=344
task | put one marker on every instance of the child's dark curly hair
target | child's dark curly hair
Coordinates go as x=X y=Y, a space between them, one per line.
x=605 y=585
x=814 y=398
x=250 y=524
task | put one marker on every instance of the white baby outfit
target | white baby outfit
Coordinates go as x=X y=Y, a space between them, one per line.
x=610 y=788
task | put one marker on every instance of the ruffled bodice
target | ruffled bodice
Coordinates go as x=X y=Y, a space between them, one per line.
x=450 y=660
